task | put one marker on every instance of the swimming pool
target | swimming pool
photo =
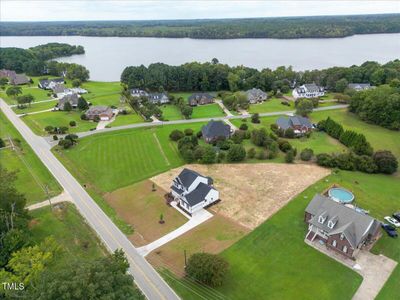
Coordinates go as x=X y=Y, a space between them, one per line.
x=341 y=195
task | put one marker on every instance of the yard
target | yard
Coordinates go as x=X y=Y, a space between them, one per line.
x=207 y=111
x=271 y=105
x=39 y=94
x=101 y=89
x=171 y=112
x=32 y=175
x=35 y=106
x=130 y=118
x=140 y=206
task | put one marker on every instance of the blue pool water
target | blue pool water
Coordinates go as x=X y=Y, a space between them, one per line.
x=341 y=195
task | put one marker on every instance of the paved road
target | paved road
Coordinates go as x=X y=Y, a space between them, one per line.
x=148 y=124
x=148 y=280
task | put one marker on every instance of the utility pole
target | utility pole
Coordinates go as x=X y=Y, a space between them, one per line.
x=184 y=253
x=46 y=190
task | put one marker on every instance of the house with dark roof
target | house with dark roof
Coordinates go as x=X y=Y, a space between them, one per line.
x=48 y=84
x=138 y=93
x=360 y=86
x=310 y=90
x=299 y=124
x=340 y=228
x=158 y=98
x=70 y=98
x=14 y=78
x=256 y=95
x=200 y=99
x=103 y=113
x=215 y=130
x=193 y=191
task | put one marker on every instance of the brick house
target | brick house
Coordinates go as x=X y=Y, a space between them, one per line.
x=215 y=130
x=299 y=124
x=104 y=113
x=340 y=228
x=200 y=99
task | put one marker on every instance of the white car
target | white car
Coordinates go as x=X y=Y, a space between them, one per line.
x=392 y=221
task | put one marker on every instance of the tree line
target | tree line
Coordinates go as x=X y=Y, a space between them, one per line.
x=34 y=61
x=281 y=28
x=215 y=76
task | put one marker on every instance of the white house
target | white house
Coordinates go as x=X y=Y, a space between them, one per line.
x=308 y=91
x=193 y=191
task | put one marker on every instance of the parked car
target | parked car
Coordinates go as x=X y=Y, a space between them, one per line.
x=392 y=221
x=390 y=230
x=397 y=216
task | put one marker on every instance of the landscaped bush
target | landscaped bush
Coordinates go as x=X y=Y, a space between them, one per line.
x=224 y=144
x=49 y=128
x=306 y=154
x=238 y=136
x=325 y=160
x=259 y=137
x=385 y=161
x=55 y=137
x=255 y=118
x=207 y=268
x=251 y=153
x=209 y=155
x=2 y=143
x=236 y=153
x=83 y=117
x=289 y=133
x=72 y=123
x=66 y=143
x=284 y=145
x=188 y=131
x=243 y=126
x=176 y=135
x=289 y=156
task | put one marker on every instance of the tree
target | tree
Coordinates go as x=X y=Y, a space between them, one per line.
x=188 y=131
x=14 y=91
x=104 y=278
x=251 y=153
x=187 y=111
x=304 y=107
x=66 y=143
x=207 y=268
x=215 y=61
x=255 y=118
x=243 y=126
x=289 y=133
x=209 y=155
x=385 y=161
x=289 y=156
x=176 y=135
x=72 y=123
x=76 y=83
x=341 y=85
x=3 y=81
x=306 y=154
x=2 y=143
x=49 y=128
x=25 y=99
x=236 y=153
x=82 y=104
x=67 y=106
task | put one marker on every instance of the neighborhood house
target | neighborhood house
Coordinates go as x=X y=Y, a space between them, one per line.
x=139 y=93
x=193 y=191
x=340 y=228
x=103 y=113
x=158 y=98
x=72 y=99
x=215 y=130
x=14 y=78
x=299 y=124
x=310 y=90
x=200 y=99
x=48 y=84
x=256 y=95
x=360 y=86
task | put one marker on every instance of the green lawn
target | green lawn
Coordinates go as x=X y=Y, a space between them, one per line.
x=38 y=122
x=209 y=110
x=101 y=89
x=38 y=106
x=131 y=118
x=39 y=94
x=171 y=112
x=270 y=105
x=107 y=100
x=379 y=137
x=320 y=142
x=76 y=238
x=32 y=174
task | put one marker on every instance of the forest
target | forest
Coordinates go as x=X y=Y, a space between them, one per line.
x=280 y=27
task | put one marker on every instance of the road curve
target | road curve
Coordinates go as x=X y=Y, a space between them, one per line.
x=146 y=278
x=151 y=124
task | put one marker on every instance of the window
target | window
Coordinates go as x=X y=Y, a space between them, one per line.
x=321 y=219
x=334 y=243
x=331 y=224
x=342 y=237
x=345 y=249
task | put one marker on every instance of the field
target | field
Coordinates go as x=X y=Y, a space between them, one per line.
x=379 y=137
x=270 y=105
x=37 y=122
x=101 y=89
x=251 y=193
x=32 y=175
x=66 y=226
x=35 y=106
x=140 y=206
x=39 y=94
x=171 y=112
x=207 y=111
x=130 y=118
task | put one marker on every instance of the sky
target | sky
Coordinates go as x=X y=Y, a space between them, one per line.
x=59 y=10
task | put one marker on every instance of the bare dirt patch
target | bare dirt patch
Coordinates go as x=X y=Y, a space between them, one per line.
x=141 y=207
x=251 y=193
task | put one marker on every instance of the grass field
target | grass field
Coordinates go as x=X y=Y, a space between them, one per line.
x=270 y=105
x=39 y=94
x=35 y=106
x=171 y=112
x=38 y=122
x=32 y=174
x=209 y=110
x=101 y=89
x=379 y=137
x=131 y=118
x=78 y=242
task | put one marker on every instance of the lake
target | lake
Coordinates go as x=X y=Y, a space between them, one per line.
x=106 y=57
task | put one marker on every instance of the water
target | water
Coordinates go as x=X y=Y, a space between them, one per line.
x=341 y=195
x=106 y=57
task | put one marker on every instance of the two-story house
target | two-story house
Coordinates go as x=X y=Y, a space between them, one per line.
x=310 y=90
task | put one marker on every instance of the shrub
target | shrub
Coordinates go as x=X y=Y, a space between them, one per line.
x=96 y=118
x=198 y=153
x=221 y=156
x=261 y=155
x=55 y=137
x=209 y=155
x=366 y=164
x=243 y=126
x=188 y=131
x=65 y=143
x=284 y=145
x=325 y=160
x=306 y=154
x=72 y=137
x=238 y=136
x=255 y=118
x=62 y=129
x=290 y=155
x=199 y=134
x=251 y=153
x=236 y=153
x=385 y=161
x=72 y=123
x=2 y=143
x=259 y=137
x=83 y=116
x=176 y=135
x=224 y=145
x=207 y=268
x=289 y=133
x=49 y=128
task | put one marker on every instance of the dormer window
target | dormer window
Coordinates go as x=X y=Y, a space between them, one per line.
x=342 y=237
x=321 y=219
x=331 y=224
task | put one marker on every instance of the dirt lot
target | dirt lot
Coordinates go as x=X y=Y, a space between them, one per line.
x=251 y=193
x=141 y=207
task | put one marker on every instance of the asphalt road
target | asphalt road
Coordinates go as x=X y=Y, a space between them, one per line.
x=147 y=279
x=150 y=124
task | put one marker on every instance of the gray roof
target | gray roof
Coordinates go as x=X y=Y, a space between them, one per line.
x=71 y=98
x=186 y=177
x=139 y=92
x=309 y=88
x=354 y=225
x=215 y=129
x=359 y=86
x=198 y=194
x=256 y=93
x=198 y=96
x=46 y=82
x=95 y=110
x=19 y=79
x=157 y=97
x=285 y=123
x=59 y=88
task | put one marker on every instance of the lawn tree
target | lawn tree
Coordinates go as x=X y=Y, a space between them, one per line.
x=306 y=154
x=72 y=123
x=67 y=106
x=207 y=268
x=82 y=104
x=2 y=143
x=14 y=91
x=76 y=83
x=3 y=82
x=255 y=118
x=209 y=155
x=176 y=135
x=341 y=85
x=187 y=111
x=304 y=107
x=25 y=99
x=385 y=161
x=236 y=153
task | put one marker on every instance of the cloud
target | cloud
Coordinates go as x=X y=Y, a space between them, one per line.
x=16 y=10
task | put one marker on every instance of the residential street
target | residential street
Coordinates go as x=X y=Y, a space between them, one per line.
x=148 y=280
